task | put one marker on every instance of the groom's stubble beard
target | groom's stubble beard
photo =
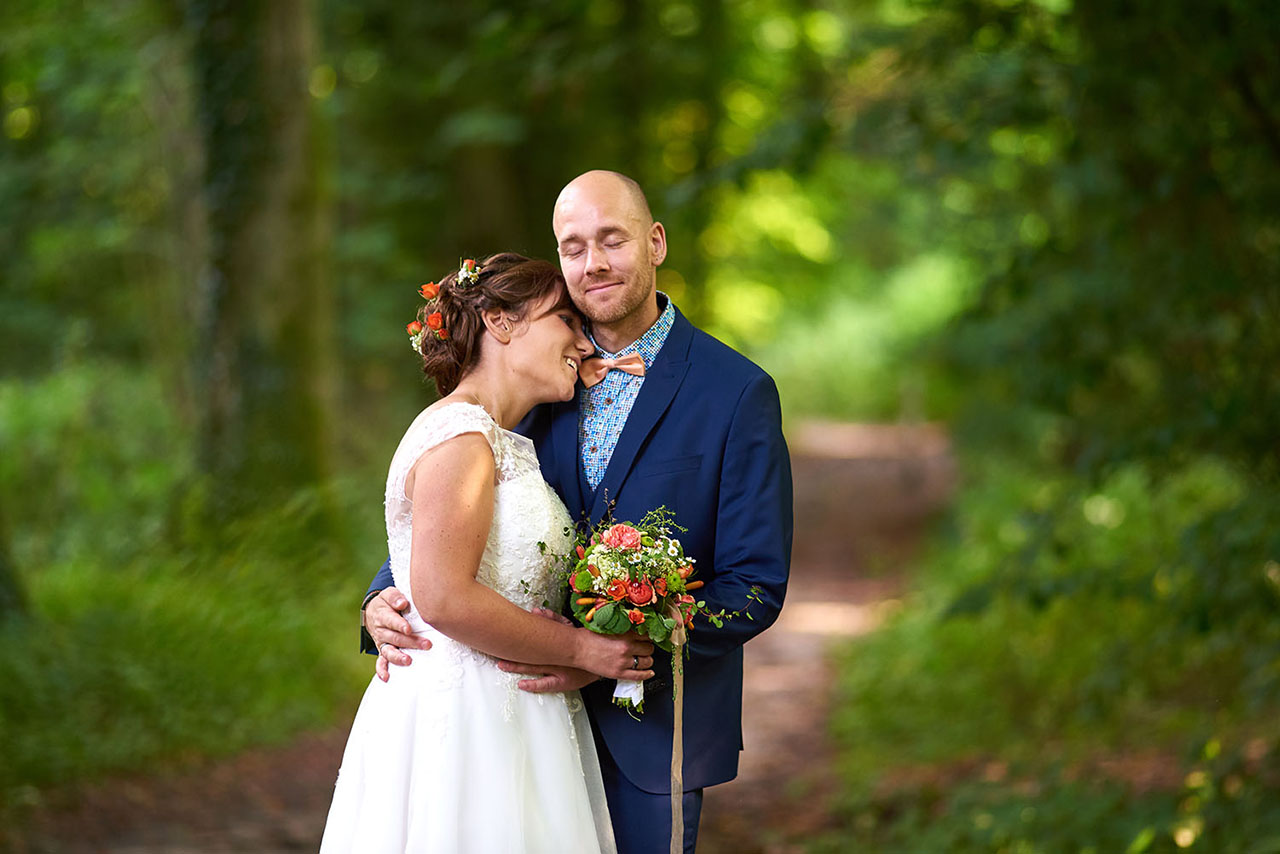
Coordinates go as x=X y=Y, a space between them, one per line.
x=637 y=288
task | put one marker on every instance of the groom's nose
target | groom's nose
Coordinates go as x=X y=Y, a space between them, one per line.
x=597 y=259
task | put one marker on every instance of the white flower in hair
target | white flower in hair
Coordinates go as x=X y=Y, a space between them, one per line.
x=469 y=272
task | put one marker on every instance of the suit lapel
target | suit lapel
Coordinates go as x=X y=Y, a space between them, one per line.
x=660 y=385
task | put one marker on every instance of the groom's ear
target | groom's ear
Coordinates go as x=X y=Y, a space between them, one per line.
x=657 y=243
x=498 y=324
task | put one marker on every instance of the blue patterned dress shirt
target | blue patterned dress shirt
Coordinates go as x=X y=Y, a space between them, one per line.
x=603 y=408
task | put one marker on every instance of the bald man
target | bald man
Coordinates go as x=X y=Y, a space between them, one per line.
x=699 y=433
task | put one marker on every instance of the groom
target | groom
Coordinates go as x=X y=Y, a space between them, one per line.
x=699 y=432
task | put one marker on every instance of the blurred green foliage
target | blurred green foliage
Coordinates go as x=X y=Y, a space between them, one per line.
x=1052 y=223
x=1068 y=650
x=1107 y=586
x=1222 y=805
x=145 y=641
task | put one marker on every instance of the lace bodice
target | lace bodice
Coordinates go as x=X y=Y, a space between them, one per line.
x=526 y=511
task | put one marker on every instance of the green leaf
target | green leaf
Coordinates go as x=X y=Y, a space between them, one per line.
x=656 y=628
x=1142 y=841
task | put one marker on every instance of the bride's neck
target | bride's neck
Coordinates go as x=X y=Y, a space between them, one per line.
x=503 y=406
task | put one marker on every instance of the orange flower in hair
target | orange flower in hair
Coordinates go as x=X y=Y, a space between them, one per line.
x=415 y=330
x=430 y=290
x=435 y=320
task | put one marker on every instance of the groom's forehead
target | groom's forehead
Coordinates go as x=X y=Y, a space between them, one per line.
x=595 y=210
x=595 y=219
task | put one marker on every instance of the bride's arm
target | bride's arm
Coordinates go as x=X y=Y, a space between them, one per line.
x=452 y=488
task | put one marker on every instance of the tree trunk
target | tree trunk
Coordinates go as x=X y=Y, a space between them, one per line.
x=266 y=303
x=13 y=601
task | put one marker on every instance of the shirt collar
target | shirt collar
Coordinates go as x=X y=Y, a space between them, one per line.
x=648 y=344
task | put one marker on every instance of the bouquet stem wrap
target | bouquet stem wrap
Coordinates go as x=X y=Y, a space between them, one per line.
x=677 y=735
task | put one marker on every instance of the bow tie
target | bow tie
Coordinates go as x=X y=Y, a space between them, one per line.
x=593 y=370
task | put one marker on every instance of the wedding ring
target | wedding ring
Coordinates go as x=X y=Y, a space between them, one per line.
x=635 y=662
x=381 y=645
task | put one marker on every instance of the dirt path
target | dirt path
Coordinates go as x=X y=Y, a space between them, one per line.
x=862 y=496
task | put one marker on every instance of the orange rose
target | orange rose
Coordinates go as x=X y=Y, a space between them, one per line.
x=660 y=586
x=635 y=617
x=617 y=590
x=413 y=328
x=430 y=290
x=639 y=592
x=435 y=320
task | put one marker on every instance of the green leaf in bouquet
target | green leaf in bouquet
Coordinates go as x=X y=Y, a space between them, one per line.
x=656 y=628
x=611 y=619
x=619 y=623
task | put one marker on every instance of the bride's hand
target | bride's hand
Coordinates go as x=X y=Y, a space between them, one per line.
x=626 y=656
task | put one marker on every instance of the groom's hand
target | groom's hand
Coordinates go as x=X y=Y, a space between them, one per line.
x=391 y=631
x=548 y=678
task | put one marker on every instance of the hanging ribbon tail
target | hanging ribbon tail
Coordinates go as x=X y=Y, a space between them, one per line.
x=677 y=734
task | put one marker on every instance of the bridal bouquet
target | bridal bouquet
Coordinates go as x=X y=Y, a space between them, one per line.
x=626 y=577
x=635 y=577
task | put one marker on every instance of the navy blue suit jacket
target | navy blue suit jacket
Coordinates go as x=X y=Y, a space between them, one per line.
x=704 y=438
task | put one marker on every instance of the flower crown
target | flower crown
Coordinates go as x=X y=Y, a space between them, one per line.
x=468 y=274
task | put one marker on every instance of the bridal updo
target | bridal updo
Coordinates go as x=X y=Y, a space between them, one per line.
x=507 y=282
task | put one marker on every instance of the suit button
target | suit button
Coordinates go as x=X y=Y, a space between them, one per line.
x=609 y=401
x=594 y=449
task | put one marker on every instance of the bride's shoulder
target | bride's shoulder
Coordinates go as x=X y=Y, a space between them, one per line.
x=445 y=420
x=461 y=412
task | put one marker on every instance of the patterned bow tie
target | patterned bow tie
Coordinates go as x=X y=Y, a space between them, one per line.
x=593 y=370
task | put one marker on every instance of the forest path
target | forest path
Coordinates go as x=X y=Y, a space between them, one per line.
x=863 y=496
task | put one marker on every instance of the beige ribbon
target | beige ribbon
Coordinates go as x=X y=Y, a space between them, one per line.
x=677 y=734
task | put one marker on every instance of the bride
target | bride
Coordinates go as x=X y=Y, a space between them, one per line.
x=448 y=755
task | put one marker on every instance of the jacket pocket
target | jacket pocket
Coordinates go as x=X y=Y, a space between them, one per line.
x=672 y=466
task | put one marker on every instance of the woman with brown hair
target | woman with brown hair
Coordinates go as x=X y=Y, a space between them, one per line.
x=448 y=755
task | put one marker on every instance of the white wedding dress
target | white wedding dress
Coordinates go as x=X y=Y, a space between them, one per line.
x=450 y=756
